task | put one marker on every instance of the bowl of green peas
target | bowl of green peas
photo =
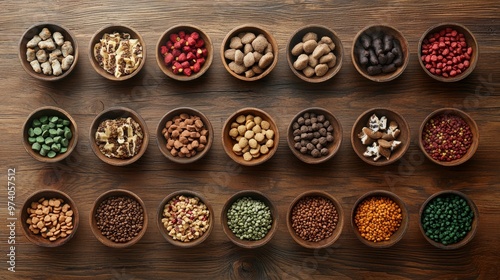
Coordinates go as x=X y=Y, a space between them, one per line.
x=49 y=134
x=448 y=219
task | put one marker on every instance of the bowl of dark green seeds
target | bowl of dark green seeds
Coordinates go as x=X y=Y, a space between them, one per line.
x=50 y=134
x=448 y=219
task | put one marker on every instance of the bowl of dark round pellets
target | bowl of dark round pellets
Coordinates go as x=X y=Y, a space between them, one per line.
x=380 y=53
x=314 y=135
x=448 y=219
x=50 y=134
x=118 y=218
x=249 y=219
x=315 y=219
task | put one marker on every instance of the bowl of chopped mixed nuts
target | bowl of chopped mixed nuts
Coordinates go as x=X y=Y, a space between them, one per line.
x=185 y=218
x=119 y=136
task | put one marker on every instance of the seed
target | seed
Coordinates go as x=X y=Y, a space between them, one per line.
x=249 y=218
x=378 y=218
x=314 y=218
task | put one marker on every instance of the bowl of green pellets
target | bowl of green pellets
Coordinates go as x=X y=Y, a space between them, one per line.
x=448 y=219
x=249 y=219
x=50 y=134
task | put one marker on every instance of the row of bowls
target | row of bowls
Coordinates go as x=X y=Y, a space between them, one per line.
x=228 y=142
x=398 y=235
x=294 y=39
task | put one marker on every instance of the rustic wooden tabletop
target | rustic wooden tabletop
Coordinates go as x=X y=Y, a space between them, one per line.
x=414 y=178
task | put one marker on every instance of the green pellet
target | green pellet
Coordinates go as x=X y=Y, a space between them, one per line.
x=45 y=133
x=40 y=139
x=55 y=147
x=43 y=152
x=52 y=132
x=44 y=119
x=45 y=127
x=51 y=154
x=31 y=133
x=54 y=119
x=49 y=141
x=36 y=146
x=63 y=150
x=68 y=134
x=60 y=132
x=31 y=140
x=51 y=125
x=57 y=139
x=36 y=123
x=37 y=131
x=59 y=125
x=49 y=135
x=66 y=122
x=64 y=142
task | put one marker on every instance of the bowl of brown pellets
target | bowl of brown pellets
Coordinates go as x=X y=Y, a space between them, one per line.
x=379 y=219
x=49 y=218
x=118 y=218
x=315 y=219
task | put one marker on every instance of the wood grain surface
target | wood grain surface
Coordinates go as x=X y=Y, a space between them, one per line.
x=84 y=177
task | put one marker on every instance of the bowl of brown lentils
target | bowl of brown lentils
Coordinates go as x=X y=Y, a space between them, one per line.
x=315 y=219
x=118 y=218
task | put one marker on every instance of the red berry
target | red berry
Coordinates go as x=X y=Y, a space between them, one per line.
x=185 y=64
x=181 y=57
x=195 y=35
x=169 y=58
x=163 y=50
x=190 y=56
x=196 y=67
x=190 y=41
x=182 y=34
x=187 y=71
x=174 y=37
x=200 y=43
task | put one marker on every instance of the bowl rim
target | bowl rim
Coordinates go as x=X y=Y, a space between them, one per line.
x=468 y=119
x=126 y=112
x=208 y=45
x=162 y=229
x=335 y=146
x=38 y=239
x=110 y=193
x=470 y=235
x=72 y=143
x=338 y=46
x=22 y=53
x=161 y=141
x=337 y=231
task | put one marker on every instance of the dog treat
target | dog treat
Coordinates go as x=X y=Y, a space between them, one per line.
x=119 y=138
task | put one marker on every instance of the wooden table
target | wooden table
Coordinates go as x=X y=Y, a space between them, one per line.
x=84 y=94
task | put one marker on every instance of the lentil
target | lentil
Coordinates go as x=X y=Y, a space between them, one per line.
x=249 y=218
x=50 y=135
x=312 y=134
x=185 y=218
x=378 y=218
x=50 y=218
x=314 y=218
x=119 y=218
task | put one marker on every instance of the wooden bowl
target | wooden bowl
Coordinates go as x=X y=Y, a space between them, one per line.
x=325 y=242
x=373 y=29
x=228 y=142
x=188 y=29
x=34 y=30
x=93 y=223
x=398 y=235
x=113 y=113
x=473 y=127
x=249 y=244
x=471 y=42
x=333 y=147
x=110 y=29
x=164 y=231
x=256 y=30
x=470 y=235
x=49 y=111
x=321 y=31
x=162 y=142
x=404 y=136
x=37 y=239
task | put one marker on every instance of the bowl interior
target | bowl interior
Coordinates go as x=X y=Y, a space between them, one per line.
x=113 y=113
x=332 y=147
x=228 y=142
x=398 y=235
x=325 y=242
x=34 y=30
x=249 y=243
x=49 y=111
x=48 y=194
x=188 y=29
x=110 y=29
x=162 y=142
x=374 y=29
x=257 y=30
x=391 y=115
x=93 y=223
x=164 y=231
x=321 y=31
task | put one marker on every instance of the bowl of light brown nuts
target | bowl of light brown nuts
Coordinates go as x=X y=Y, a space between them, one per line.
x=250 y=136
x=48 y=51
x=49 y=218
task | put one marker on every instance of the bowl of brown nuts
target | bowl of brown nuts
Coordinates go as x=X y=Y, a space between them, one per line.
x=380 y=53
x=380 y=136
x=185 y=218
x=314 y=135
x=48 y=51
x=314 y=53
x=119 y=136
x=49 y=218
x=118 y=218
x=184 y=52
x=249 y=52
x=117 y=52
x=184 y=135
x=448 y=137
x=379 y=219
x=250 y=136
x=315 y=219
